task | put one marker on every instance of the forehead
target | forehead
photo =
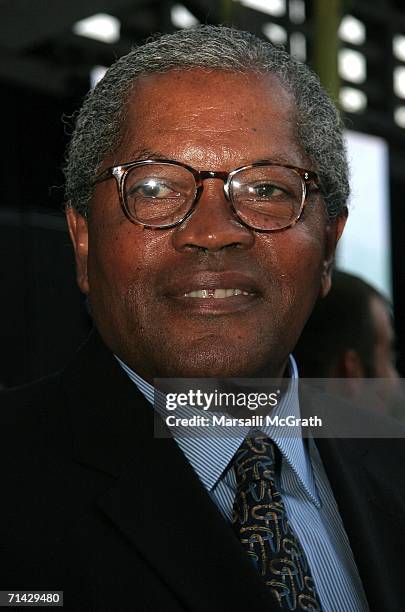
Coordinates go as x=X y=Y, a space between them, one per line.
x=201 y=116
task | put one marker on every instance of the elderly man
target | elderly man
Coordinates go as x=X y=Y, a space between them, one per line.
x=207 y=184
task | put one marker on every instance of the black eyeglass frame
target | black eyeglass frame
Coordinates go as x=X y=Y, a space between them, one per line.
x=120 y=171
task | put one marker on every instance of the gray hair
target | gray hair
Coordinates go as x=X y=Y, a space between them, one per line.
x=99 y=123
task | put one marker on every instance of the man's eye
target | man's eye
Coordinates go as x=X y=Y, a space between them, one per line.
x=152 y=189
x=266 y=191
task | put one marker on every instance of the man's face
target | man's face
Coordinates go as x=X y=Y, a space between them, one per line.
x=137 y=278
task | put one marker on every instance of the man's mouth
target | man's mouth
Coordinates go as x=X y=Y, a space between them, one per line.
x=216 y=293
x=212 y=285
x=213 y=293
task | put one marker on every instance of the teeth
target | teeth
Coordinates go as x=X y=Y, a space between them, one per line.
x=216 y=293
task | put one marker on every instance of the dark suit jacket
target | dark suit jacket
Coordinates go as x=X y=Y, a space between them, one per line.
x=94 y=505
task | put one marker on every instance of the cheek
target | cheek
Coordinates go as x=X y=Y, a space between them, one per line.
x=115 y=274
x=110 y=258
x=109 y=263
x=296 y=257
x=122 y=258
x=114 y=242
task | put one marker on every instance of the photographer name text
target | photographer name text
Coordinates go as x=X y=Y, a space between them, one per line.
x=253 y=421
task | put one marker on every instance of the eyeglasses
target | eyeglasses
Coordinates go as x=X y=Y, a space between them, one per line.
x=160 y=193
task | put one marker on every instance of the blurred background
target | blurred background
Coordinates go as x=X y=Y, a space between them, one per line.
x=53 y=51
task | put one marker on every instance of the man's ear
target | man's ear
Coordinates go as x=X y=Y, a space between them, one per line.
x=333 y=233
x=352 y=365
x=349 y=366
x=78 y=231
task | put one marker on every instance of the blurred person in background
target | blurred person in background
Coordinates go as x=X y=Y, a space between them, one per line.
x=350 y=335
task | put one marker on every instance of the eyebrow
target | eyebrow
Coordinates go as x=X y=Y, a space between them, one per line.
x=148 y=154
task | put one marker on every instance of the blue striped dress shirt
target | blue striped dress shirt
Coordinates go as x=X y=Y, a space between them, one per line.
x=307 y=495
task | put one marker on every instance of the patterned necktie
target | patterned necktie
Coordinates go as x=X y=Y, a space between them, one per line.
x=260 y=521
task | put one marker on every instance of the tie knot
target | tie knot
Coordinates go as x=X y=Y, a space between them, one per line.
x=255 y=459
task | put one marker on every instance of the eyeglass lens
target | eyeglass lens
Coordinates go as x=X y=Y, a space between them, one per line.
x=264 y=197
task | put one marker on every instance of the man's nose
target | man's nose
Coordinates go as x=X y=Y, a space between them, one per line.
x=212 y=225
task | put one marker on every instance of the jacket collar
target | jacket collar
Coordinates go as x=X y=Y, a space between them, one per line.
x=157 y=501
x=155 y=498
x=367 y=482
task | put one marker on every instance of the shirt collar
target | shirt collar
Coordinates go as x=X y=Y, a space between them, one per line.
x=211 y=455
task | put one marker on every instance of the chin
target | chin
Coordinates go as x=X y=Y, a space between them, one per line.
x=215 y=364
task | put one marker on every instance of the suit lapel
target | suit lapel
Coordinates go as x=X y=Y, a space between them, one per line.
x=358 y=471
x=156 y=500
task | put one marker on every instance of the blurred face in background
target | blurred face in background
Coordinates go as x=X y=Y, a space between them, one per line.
x=383 y=358
x=389 y=391
x=371 y=379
